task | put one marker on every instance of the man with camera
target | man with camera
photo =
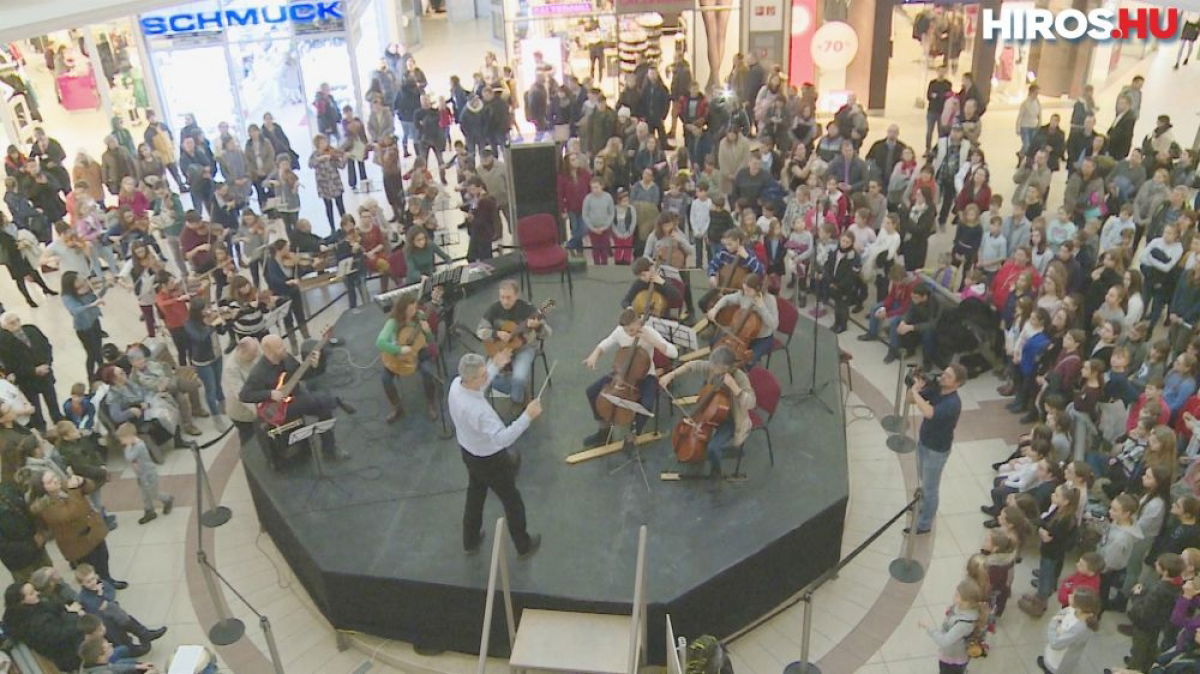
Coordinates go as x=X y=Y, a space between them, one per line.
x=936 y=398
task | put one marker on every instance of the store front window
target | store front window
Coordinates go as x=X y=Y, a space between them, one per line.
x=269 y=58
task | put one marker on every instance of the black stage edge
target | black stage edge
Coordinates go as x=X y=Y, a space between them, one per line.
x=379 y=547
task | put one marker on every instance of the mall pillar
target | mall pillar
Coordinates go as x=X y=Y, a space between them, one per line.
x=983 y=55
x=1061 y=66
x=881 y=55
x=102 y=88
x=862 y=18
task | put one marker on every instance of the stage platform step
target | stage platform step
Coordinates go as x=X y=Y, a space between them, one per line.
x=572 y=642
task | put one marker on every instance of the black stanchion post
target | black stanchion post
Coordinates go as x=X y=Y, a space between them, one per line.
x=803 y=665
x=906 y=569
x=894 y=422
x=900 y=442
x=216 y=515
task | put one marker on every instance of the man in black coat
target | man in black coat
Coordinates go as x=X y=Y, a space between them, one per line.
x=22 y=547
x=657 y=103
x=408 y=101
x=25 y=351
x=1079 y=143
x=1051 y=138
x=885 y=153
x=1120 y=134
x=495 y=120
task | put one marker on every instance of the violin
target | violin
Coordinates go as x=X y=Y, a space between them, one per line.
x=630 y=366
x=690 y=437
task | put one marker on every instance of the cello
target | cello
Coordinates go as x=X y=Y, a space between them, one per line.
x=741 y=324
x=692 y=433
x=651 y=300
x=630 y=366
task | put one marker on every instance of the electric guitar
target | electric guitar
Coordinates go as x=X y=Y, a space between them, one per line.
x=274 y=412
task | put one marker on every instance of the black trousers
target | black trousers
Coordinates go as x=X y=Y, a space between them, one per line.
x=92 y=342
x=37 y=388
x=319 y=404
x=498 y=473
x=98 y=558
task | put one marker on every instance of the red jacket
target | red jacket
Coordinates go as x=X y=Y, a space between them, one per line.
x=1190 y=406
x=1077 y=580
x=174 y=310
x=899 y=298
x=1006 y=278
x=1136 y=411
x=571 y=192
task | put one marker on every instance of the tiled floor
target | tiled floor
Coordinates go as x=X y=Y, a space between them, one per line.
x=863 y=621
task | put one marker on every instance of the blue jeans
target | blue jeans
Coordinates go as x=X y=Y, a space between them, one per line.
x=210 y=376
x=408 y=130
x=1027 y=134
x=929 y=466
x=719 y=443
x=760 y=348
x=578 y=229
x=1048 y=571
x=874 y=322
x=516 y=383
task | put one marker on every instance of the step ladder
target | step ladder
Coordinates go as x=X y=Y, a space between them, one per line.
x=566 y=641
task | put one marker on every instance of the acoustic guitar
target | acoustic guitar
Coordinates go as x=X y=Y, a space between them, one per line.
x=274 y=412
x=404 y=364
x=516 y=333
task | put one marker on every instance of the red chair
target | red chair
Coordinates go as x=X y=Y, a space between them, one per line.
x=537 y=235
x=766 y=393
x=789 y=315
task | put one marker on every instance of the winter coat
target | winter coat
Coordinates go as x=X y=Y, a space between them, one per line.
x=329 y=180
x=74 y=523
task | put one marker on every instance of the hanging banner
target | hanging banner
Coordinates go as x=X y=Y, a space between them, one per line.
x=800 y=41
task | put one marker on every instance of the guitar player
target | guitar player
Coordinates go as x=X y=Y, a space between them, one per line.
x=511 y=310
x=261 y=385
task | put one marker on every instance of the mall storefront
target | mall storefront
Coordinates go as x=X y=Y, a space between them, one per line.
x=223 y=61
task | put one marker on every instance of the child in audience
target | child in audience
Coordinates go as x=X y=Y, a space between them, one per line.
x=1087 y=575
x=1150 y=609
x=993 y=250
x=79 y=408
x=1001 y=558
x=1056 y=534
x=966 y=617
x=99 y=598
x=1119 y=536
x=138 y=456
x=975 y=287
x=1069 y=631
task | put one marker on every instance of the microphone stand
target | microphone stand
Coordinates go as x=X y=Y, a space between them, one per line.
x=814 y=391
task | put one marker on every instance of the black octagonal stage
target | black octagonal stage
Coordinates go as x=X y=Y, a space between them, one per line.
x=379 y=545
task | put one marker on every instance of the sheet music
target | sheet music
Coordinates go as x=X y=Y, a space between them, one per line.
x=675 y=332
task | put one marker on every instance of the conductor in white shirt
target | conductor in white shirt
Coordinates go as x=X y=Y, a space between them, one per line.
x=485 y=441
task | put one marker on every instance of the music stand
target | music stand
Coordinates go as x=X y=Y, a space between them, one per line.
x=306 y=433
x=814 y=392
x=682 y=336
x=637 y=408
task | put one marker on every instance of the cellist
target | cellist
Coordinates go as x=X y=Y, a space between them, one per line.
x=629 y=327
x=722 y=366
x=646 y=278
x=733 y=259
x=752 y=297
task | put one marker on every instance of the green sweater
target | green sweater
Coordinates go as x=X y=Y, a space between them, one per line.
x=386 y=342
x=421 y=261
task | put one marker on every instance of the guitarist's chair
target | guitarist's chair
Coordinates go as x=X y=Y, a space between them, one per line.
x=541 y=251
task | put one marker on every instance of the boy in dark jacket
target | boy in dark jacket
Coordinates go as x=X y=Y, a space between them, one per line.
x=98 y=598
x=1150 y=608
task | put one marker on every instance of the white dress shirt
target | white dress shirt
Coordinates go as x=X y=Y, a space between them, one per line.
x=650 y=341
x=477 y=427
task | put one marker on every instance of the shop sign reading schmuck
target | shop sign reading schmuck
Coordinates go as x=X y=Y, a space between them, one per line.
x=194 y=22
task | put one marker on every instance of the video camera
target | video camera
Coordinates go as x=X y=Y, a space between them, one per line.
x=915 y=372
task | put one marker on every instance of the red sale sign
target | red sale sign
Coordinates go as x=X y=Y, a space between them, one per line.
x=801 y=68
